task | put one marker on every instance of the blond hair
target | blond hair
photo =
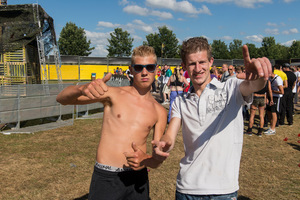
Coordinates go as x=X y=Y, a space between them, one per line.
x=143 y=51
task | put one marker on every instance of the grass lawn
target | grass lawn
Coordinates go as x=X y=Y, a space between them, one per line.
x=58 y=164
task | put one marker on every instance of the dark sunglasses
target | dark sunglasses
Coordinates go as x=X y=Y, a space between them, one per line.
x=138 y=68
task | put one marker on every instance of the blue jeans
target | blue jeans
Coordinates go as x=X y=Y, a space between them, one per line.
x=181 y=196
x=173 y=96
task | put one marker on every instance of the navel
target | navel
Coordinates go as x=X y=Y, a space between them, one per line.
x=119 y=116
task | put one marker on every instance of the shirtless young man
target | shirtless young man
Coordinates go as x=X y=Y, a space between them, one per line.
x=130 y=113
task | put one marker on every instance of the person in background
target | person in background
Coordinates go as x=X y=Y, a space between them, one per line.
x=220 y=72
x=225 y=73
x=260 y=101
x=239 y=70
x=120 y=72
x=129 y=76
x=298 y=80
x=176 y=83
x=166 y=89
x=288 y=96
x=278 y=71
x=297 y=86
x=163 y=81
x=231 y=72
x=213 y=73
x=186 y=76
x=153 y=86
x=272 y=109
x=168 y=71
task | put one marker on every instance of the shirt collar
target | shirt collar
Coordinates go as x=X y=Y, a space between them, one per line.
x=213 y=84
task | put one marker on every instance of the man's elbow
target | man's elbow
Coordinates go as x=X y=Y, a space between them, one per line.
x=60 y=100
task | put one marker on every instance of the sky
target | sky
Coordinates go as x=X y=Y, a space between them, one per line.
x=225 y=20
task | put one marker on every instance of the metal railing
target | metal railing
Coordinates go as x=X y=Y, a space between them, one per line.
x=19 y=103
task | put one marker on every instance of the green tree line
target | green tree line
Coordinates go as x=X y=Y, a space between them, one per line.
x=73 y=41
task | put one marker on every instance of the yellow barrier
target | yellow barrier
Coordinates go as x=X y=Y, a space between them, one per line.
x=84 y=72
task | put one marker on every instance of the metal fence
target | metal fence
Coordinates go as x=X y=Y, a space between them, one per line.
x=77 y=60
x=19 y=103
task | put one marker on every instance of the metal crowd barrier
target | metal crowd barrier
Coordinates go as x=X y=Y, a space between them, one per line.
x=19 y=103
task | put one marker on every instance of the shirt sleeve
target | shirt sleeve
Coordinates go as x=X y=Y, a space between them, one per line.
x=240 y=99
x=176 y=108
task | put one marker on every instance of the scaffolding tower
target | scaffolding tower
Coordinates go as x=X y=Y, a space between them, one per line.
x=28 y=28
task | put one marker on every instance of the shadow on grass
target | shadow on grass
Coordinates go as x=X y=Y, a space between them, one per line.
x=243 y=198
x=295 y=146
x=84 y=197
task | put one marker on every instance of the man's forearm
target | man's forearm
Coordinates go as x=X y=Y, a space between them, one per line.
x=69 y=95
x=152 y=162
x=248 y=87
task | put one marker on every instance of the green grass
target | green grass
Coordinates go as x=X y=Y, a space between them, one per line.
x=58 y=164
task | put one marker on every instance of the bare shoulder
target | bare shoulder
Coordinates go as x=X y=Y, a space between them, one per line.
x=113 y=93
x=159 y=108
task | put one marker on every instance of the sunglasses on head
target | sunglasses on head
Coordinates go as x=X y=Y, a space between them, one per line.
x=138 y=68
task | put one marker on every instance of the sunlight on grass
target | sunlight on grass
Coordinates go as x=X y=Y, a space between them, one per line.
x=58 y=164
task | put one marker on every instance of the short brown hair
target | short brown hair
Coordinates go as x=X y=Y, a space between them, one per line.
x=194 y=45
x=143 y=51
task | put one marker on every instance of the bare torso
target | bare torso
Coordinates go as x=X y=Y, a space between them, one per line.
x=128 y=117
x=176 y=88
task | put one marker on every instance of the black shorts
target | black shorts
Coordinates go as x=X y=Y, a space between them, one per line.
x=274 y=107
x=130 y=185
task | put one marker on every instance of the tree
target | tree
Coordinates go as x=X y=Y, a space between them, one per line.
x=73 y=41
x=153 y=40
x=294 y=51
x=165 y=43
x=220 y=50
x=283 y=52
x=120 y=43
x=269 y=48
x=236 y=49
x=253 y=51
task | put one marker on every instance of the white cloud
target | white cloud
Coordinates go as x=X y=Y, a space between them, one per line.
x=99 y=41
x=291 y=31
x=272 y=24
x=162 y=15
x=288 y=43
x=123 y=2
x=255 y=38
x=137 y=38
x=137 y=10
x=226 y=38
x=240 y=3
x=274 y=31
x=107 y=24
x=140 y=25
x=285 y=32
x=288 y=1
x=294 y=30
x=180 y=6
